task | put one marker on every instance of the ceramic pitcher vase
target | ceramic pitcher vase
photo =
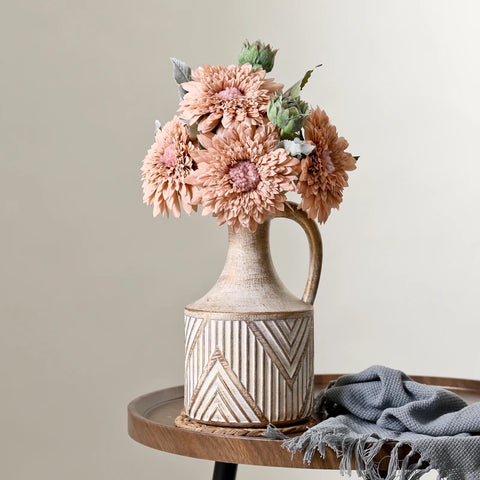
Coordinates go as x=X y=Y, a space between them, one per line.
x=249 y=341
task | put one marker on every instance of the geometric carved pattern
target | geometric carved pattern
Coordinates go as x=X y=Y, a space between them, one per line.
x=220 y=396
x=285 y=341
x=248 y=372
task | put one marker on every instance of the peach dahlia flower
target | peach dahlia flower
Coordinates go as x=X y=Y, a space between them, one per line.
x=168 y=162
x=243 y=177
x=226 y=95
x=324 y=171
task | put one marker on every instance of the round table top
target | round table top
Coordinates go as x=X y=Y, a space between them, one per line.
x=151 y=422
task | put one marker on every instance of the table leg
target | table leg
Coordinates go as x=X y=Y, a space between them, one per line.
x=224 y=471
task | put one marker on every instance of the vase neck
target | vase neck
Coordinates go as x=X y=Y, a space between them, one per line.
x=248 y=257
x=249 y=282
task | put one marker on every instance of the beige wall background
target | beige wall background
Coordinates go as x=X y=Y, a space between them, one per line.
x=93 y=288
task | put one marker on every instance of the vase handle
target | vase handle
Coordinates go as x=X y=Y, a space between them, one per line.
x=316 y=251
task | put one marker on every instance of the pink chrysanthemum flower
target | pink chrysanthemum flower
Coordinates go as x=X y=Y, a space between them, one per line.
x=226 y=95
x=168 y=162
x=243 y=177
x=324 y=171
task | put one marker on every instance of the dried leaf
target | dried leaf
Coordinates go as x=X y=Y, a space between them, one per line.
x=158 y=126
x=181 y=71
x=296 y=88
x=297 y=147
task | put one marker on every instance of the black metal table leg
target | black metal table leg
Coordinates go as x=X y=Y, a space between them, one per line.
x=224 y=471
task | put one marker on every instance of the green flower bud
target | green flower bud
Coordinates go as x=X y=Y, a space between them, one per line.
x=288 y=114
x=258 y=55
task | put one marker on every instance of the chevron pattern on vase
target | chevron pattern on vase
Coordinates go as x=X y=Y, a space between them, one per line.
x=285 y=341
x=220 y=397
x=248 y=372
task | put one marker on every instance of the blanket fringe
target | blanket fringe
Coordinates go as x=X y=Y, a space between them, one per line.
x=363 y=449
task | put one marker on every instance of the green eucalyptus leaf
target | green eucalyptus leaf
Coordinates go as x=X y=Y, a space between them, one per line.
x=296 y=88
x=307 y=76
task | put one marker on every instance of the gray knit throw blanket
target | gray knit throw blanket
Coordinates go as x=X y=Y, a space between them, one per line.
x=379 y=405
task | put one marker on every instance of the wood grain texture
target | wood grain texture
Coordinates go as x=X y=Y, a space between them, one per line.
x=151 y=420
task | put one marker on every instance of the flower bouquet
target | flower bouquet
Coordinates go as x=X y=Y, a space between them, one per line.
x=239 y=143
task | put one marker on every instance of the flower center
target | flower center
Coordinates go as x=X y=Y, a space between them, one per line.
x=169 y=156
x=244 y=175
x=327 y=161
x=229 y=92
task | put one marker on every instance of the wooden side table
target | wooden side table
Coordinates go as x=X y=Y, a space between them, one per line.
x=151 y=422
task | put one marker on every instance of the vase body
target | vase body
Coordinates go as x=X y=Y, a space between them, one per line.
x=249 y=342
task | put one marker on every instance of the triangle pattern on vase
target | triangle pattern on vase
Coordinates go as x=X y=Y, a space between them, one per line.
x=220 y=396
